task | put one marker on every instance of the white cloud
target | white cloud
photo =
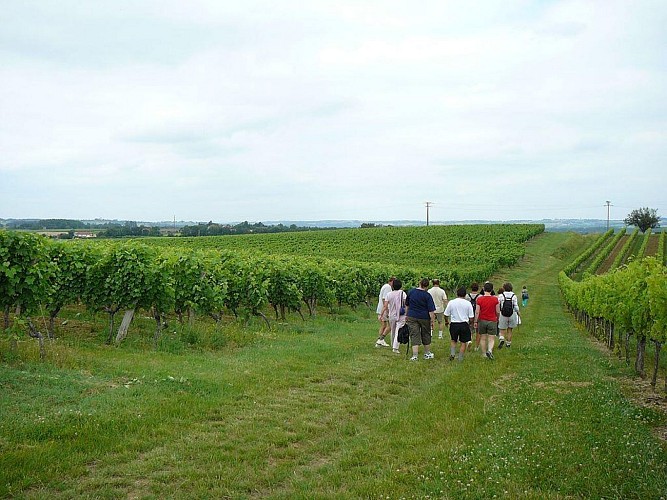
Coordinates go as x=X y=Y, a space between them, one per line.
x=262 y=111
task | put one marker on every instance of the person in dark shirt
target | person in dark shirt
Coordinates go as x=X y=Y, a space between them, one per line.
x=420 y=319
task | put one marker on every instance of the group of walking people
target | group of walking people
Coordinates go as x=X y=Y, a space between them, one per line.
x=485 y=313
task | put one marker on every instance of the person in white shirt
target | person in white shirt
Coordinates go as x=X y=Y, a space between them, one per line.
x=382 y=314
x=508 y=323
x=440 y=300
x=458 y=315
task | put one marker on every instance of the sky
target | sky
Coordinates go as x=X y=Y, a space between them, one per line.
x=155 y=110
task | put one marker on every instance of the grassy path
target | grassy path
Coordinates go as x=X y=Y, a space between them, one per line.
x=315 y=411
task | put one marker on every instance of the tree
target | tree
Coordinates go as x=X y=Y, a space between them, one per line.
x=643 y=218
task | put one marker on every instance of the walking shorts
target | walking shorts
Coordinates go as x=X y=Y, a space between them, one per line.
x=420 y=331
x=488 y=327
x=460 y=332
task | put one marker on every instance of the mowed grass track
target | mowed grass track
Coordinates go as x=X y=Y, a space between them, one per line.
x=313 y=410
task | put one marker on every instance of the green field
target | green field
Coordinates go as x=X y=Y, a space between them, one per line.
x=312 y=410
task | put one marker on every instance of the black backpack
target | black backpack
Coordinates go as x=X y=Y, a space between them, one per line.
x=403 y=335
x=507 y=308
x=473 y=300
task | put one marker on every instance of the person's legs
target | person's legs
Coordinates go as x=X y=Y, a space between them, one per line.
x=455 y=330
x=491 y=340
x=415 y=336
x=385 y=328
x=488 y=330
x=464 y=337
x=440 y=319
x=508 y=337
x=393 y=331
x=425 y=327
x=483 y=339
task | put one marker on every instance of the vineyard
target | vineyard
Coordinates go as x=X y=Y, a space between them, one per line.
x=618 y=289
x=239 y=276
x=456 y=254
x=202 y=399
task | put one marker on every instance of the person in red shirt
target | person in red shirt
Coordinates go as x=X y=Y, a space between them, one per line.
x=487 y=311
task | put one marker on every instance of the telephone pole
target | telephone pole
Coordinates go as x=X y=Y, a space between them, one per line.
x=608 y=203
x=428 y=205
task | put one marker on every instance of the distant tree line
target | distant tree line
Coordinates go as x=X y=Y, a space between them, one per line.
x=109 y=229
x=132 y=229
x=129 y=229
x=215 y=229
x=51 y=224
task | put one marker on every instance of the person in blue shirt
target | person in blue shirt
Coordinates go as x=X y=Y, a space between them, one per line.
x=420 y=318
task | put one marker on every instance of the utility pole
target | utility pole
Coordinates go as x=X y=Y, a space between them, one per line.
x=428 y=205
x=608 y=203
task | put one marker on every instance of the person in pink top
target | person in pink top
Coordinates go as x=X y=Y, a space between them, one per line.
x=394 y=309
x=487 y=311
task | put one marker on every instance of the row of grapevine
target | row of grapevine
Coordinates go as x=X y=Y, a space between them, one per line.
x=628 y=301
x=41 y=277
x=573 y=267
x=24 y=275
x=604 y=253
x=462 y=253
x=642 y=249
x=620 y=257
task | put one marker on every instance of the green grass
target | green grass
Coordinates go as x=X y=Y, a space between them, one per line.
x=313 y=410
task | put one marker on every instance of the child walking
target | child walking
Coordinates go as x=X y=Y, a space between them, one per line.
x=524 y=296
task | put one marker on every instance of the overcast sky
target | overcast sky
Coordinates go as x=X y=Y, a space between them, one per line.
x=309 y=110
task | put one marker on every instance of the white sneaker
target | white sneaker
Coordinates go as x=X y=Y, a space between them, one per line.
x=414 y=358
x=396 y=351
x=440 y=335
x=381 y=342
x=428 y=355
